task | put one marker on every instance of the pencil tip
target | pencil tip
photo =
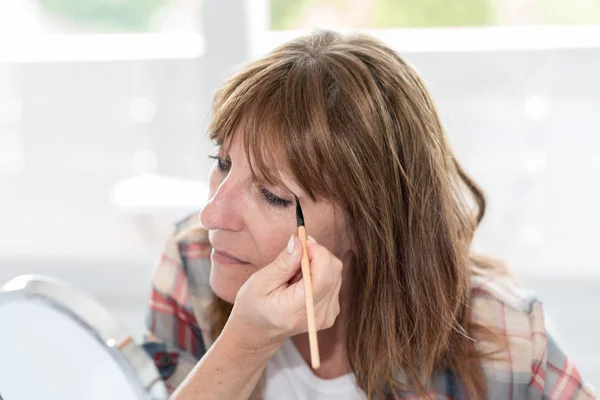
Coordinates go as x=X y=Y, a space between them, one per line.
x=299 y=215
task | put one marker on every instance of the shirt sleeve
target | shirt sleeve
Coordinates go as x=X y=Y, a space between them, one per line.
x=554 y=375
x=173 y=338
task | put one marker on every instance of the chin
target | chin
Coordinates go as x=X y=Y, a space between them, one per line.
x=226 y=288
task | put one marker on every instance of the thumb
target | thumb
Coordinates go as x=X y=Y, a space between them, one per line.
x=284 y=267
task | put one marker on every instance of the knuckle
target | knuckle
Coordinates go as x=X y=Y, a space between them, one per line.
x=339 y=265
x=280 y=265
x=330 y=320
x=321 y=285
x=312 y=245
x=316 y=251
x=288 y=324
x=321 y=323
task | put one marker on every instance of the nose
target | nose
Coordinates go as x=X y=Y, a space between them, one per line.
x=223 y=211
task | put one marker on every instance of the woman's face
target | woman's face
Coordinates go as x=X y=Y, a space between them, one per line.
x=250 y=223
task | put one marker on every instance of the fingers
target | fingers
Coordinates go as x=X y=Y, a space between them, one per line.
x=326 y=274
x=328 y=309
x=295 y=278
x=271 y=303
x=326 y=269
x=283 y=279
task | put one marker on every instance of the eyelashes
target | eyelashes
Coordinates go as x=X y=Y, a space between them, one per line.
x=225 y=165
x=274 y=200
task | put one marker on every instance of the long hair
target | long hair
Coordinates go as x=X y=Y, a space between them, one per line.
x=357 y=126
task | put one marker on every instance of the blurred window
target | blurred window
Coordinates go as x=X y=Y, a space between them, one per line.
x=99 y=16
x=362 y=14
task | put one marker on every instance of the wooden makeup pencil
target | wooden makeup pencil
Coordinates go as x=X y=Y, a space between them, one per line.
x=310 y=306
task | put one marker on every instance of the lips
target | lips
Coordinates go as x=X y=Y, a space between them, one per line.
x=224 y=257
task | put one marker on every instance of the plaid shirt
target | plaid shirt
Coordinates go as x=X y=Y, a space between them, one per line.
x=534 y=367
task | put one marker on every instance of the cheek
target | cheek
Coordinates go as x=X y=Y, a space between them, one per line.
x=331 y=231
x=270 y=239
x=325 y=235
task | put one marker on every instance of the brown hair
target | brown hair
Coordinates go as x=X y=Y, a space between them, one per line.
x=356 y=125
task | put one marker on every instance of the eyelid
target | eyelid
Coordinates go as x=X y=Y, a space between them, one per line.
x=280 y=188
x=273 y=199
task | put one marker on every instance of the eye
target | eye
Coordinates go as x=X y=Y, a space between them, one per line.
x=274 y=200
x=224 y=165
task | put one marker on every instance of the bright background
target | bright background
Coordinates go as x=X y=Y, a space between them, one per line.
x=104 y=106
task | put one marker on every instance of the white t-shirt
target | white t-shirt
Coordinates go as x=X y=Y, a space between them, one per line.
x=290 y=378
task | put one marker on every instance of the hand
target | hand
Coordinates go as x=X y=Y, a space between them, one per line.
x=270 y=306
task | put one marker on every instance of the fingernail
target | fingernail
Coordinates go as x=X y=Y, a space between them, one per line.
x=290 y=246
x=311 y=239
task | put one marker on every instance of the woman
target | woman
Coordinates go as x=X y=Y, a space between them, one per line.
x=403 y=308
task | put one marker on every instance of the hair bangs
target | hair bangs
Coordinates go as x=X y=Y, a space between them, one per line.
x=280 y=125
